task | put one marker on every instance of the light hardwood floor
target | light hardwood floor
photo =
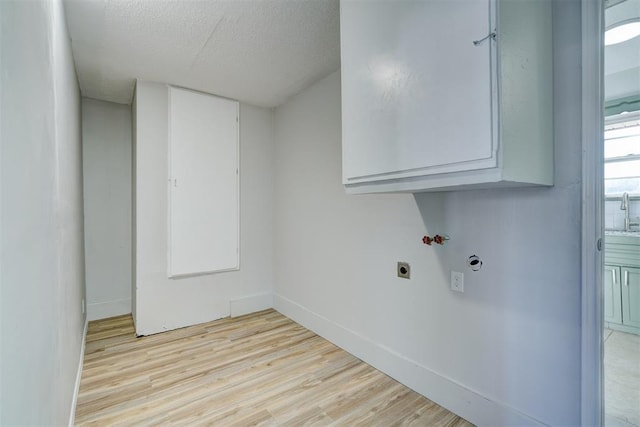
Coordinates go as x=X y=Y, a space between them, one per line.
x=261 y=369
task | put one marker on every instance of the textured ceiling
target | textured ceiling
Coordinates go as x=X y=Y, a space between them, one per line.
x=256 y=51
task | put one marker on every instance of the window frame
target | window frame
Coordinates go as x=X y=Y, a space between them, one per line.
x=621 y=121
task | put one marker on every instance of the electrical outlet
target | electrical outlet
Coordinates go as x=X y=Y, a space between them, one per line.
x=83 y=306
x=404 y=270
x=457 y=281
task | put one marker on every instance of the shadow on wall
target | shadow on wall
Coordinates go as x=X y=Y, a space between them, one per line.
x=528 y=273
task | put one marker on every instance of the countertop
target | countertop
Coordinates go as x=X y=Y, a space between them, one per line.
x=622 y=233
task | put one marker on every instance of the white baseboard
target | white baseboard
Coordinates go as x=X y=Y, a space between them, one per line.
x=460 y=400
x=250 y=304
x=76 y=390
x=104 y=310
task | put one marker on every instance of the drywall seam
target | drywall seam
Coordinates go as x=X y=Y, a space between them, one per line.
x=467 y=403
x=76 y=390
x=250 y=304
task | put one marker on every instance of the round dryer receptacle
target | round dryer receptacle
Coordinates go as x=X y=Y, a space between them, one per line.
x=474 y=262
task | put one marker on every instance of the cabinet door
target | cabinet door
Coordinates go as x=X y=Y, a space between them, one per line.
x=612 y=295
x=417 y=94
x=631 y=296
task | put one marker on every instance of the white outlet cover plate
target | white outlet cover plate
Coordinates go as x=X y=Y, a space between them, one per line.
x=457 y=281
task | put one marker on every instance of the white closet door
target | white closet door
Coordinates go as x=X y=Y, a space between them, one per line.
x=203 y=184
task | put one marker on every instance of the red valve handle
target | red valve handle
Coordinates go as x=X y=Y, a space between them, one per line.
x=435 y=239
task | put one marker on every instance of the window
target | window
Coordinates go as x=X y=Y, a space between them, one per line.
x=622 y=155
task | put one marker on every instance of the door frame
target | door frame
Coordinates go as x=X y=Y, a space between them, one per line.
x=592 y=371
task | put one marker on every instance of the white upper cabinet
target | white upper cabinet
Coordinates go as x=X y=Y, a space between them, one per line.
x=424 y=108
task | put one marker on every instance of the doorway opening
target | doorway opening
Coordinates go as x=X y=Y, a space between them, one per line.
x=621 y=186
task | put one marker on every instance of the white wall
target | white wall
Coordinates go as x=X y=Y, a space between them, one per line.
x=41 y=226
x=133 y=206
x=106 y=144
x=163 y=304
x=507 y=351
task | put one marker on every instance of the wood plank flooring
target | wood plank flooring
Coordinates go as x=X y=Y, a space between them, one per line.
x=259 y=369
